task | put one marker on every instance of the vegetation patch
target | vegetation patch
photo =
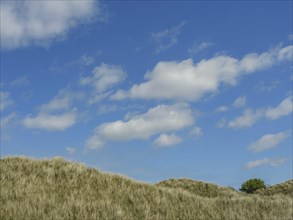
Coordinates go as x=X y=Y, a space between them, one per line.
x=57 y=189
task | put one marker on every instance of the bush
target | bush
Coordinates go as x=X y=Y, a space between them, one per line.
x=250 y=186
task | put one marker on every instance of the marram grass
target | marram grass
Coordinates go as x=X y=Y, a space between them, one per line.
x=57 y=189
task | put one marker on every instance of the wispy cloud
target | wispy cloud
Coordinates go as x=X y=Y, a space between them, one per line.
x=102 y=79
x=238 y=103
x=222 y=108
x=188 y=81
x=283 y=109
x=265 y=162
x=40 y=22
x=250 y=117
x=167 y=38
x=62 y=101
x=5 y=121
x=165 y=140
x=70 y=150
x=267 y=87
x=198 y=48
x=268 y=141
x=21 y=81
x=86 y=60
x=5 y=100
x=196 y=132
x=162 y=118
x=56 y=115
x=51 y=122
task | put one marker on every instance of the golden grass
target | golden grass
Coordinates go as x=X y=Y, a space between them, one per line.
x=285 y=188
x=56 y=189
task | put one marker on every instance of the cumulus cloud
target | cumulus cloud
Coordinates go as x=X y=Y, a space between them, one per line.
x=162 y=118
x=165 y=140
x=39 y=22
x=167 y=38
x=250 y=117
x=102 y=79
x=265 y=161
x=268 y=141
x=51 y=122
x=5 y=100
x=189 y=81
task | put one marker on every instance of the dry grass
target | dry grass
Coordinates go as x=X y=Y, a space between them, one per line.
x=198 y=188
x=56 y=189
x=285 y=188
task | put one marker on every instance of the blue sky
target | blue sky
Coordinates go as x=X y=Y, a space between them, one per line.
x=151 y=90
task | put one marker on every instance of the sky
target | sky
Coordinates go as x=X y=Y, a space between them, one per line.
x=151 y=89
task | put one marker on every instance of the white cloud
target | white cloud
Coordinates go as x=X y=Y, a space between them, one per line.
x=197 y=48
x=70 y=150
x=5 y=100
x=167 y=38
x=165 y=140
x=265 y=161
x=51 y=122
x=283 y=109
x=40 y=22
x=286 y=53
x=103 y=78
x=62 y=101
x=268 y=141
x=239 y=102
x=5 y=121
x=162 y=118
x=185 y=80
x=250 y=117
x=56 y=114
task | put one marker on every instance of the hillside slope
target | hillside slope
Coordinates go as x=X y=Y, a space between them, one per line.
x=285 y=188
x=198 y=188
x=56 y=189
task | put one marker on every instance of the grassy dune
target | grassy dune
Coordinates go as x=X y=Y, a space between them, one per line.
x=56 y=189
x=285 y=188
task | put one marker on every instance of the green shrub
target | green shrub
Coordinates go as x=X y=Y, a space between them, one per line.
x=250 y=186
